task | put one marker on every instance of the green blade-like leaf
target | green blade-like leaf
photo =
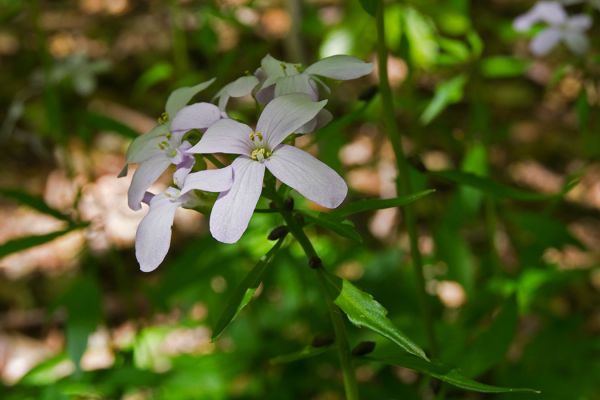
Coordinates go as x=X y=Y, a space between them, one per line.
x=364 y=311
x=307 y=352
x=503 y=67
x=493 y=188
x=26 y=242
x=106 y=123
x=342 y=227
x=446 y=93
x=378 y=204
x=180 y=97
x=35 y=202
x=451 y=376
x=245 y=290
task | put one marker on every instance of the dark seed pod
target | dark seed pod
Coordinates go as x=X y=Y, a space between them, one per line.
x=368 y=93
x=315 y=262
x=363 y=348
x=278 y=233
x=288 y=204
x=322 y=340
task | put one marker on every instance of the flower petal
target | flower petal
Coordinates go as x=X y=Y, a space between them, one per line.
x=580 y=23
x=180 y=97
x=550 y=12
x=285 y=114
x=145 y=146
x=153 y=237
x=340 y=67
x=576 y=41
x=233 y=209
x=274 y=68
x=225 y=136
x=307 y=175
x=322 y=119
x=210 y=180
x=296 y=84
x=545 y=41
x=240 y=87
x=195 y=116
x=145 y=175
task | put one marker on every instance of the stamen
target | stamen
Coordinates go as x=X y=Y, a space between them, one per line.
x=163 y=119
x=260 y=154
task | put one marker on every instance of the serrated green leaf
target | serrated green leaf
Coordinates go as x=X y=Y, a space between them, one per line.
x=35 y=202
x=492 y=187
x=378 y=204
x=180 y=97
x=364 y=311
x=340 y=226
x=451 y=376
x=243 y=293
x=307 y=352
x=446 y=93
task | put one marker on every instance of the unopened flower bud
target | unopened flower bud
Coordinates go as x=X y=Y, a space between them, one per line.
x=278 y=233
x=363 y=348
x=322 y=340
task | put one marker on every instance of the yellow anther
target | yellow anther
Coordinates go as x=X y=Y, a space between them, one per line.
x=260 y=154
x=256 y=135
x=163 y=119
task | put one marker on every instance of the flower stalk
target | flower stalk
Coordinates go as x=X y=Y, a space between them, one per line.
x=403 y=182
x=343 y=348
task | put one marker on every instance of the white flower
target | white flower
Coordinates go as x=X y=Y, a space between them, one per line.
x=164 y=145
x=153 y=237
x=263 y=148
x=561 y=27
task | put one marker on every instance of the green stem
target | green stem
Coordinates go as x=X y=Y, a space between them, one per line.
x=403 y=183
x=350 y=385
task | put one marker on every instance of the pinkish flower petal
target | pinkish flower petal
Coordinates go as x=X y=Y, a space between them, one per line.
x=233 y=209
x=340 y=67
x=153 y=237
x=296 y=84
x=145 y=175
x=240 y=87
x=307 y=175
x=580 y=22
x=284 y=115
x=210 y=180
x=322 y=119
x=576 y=41
x=195 y=116
x=545 y=41
x=225 y=136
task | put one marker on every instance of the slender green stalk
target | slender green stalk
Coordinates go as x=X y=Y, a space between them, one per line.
x=350 y=385
x=403 y=184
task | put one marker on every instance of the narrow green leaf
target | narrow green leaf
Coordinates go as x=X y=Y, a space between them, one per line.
x=503 y=67
x=180 y=97
x=446 y=93
x=106 y=123
x=307 y=352
x=340 y=226
x=421 y=36
x=491 y=345
x=26 y=242
x=370 y=6
x=378 y=204
x=245 y=290
x=35 y=202
x=451 y=376
x=364 y=311
x=491 y=187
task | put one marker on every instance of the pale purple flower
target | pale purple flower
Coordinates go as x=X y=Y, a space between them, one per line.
x=262 y=148
x=239 y=88
x=561 y=28
x=164 y=144
x=153 y=237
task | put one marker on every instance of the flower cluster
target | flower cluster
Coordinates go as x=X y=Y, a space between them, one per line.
x=560 y=27
x=290 y=95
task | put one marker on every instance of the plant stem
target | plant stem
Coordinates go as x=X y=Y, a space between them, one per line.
x=341 y=340
x=403 y=183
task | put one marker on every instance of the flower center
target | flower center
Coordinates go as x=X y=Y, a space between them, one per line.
x=261 y=152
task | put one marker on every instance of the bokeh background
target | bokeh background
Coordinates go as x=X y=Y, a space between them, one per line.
x=515 y=284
